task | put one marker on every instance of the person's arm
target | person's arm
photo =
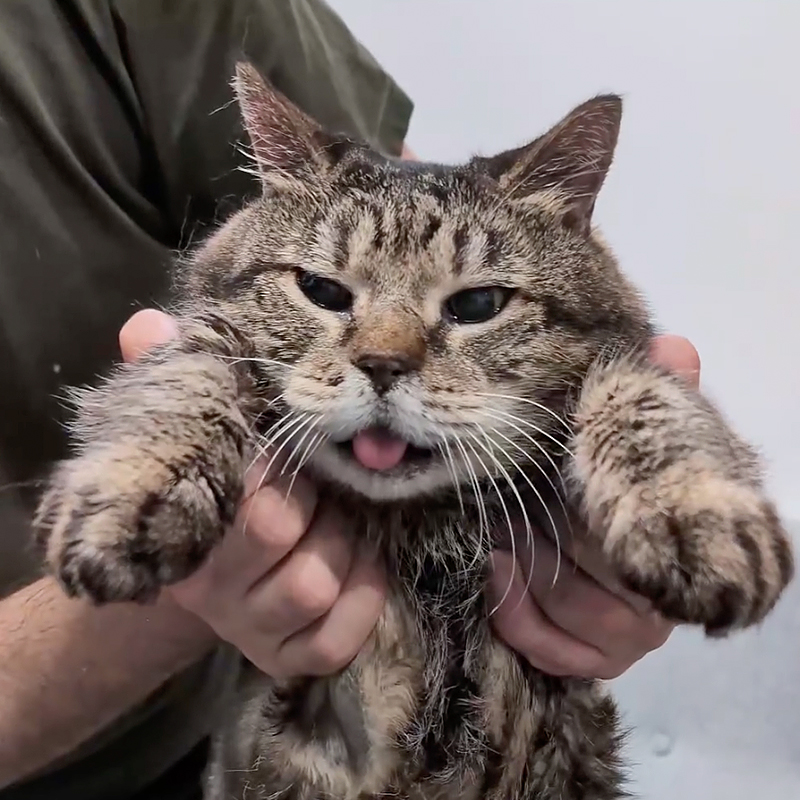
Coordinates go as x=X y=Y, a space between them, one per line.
x=67 y=669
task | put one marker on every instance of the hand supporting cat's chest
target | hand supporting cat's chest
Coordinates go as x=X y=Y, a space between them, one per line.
x=409 y=707
x=433 y=706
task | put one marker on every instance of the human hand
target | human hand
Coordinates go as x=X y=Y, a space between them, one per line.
x=288 y=589
x=586 y=625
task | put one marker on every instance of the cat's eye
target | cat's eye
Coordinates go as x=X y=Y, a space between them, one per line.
x=324 y=292
x=477 y=305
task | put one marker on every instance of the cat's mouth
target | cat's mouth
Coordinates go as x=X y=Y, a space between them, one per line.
x=380 y=450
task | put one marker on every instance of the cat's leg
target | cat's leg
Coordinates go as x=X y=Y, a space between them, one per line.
x=158 y=474
x=677 y=499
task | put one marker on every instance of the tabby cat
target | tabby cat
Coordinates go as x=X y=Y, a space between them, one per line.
x=442 y=348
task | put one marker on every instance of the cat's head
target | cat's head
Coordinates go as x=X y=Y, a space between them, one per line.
x=421 y=323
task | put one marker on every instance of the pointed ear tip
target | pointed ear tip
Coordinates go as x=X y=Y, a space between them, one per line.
x=613 y=102
x=607 y=100
x=244 y=69
x=603 y=108
x=246 y=76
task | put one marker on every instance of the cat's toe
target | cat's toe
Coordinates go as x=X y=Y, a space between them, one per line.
x=89 y=546
x=119 y=531
x=709 y=552
x=103 y=575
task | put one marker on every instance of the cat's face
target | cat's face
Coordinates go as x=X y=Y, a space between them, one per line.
x=421 y=324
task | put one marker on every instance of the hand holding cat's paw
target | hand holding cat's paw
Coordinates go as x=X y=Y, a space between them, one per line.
x=287 y=585
x=674 y=499
x=581 y=622
x=158 y=478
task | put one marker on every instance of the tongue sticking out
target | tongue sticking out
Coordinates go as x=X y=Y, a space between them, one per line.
x=378 y=450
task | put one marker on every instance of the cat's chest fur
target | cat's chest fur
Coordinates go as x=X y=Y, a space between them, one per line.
x=424 y=703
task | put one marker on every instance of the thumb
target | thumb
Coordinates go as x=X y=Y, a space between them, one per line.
x=144 y=330
x=677 y=354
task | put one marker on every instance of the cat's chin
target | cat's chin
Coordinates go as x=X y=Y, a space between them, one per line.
x=420 y=473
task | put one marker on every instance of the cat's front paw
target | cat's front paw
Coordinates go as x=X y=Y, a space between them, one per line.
x=675 y=498
x=704 y=549
x=121 y=521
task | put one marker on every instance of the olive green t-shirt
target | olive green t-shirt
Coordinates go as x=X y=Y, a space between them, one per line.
x=118 y=146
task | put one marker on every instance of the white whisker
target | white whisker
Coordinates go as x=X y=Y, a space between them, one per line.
x=277 y=430
x=259 y=439
x=483 y=517
x=286 y=427
x=540 y=498
x=310 y=430
x=538 y=445
x=510 y=482
x=270 y=362
x=447 y=455
x=561 y=421
x=533 y=427
x=316 y=442
x=508 y=521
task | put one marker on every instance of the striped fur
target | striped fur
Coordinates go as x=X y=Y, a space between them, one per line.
x=554 y=387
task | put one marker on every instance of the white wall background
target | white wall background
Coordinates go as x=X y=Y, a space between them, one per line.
x=702 y=209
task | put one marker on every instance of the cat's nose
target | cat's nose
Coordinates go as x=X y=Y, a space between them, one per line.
x=385 y=370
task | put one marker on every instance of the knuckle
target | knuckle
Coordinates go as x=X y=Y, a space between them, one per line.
x=330 y=655
x=277 y=526
x=284 y=533
x=313 y=592
x=607 y=670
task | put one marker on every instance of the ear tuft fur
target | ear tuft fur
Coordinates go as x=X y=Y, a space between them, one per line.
x=286 y=142
x=572 y=159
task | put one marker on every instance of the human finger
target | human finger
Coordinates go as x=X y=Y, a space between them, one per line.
x=330 y=643
x=678 y=355
x=145 y=330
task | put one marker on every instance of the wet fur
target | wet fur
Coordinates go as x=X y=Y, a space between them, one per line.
x=434 y=706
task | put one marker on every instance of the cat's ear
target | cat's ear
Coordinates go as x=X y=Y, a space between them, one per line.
x=286 y=143
x=572 y=160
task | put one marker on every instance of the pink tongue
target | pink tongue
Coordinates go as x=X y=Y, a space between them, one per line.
x=378 y=450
